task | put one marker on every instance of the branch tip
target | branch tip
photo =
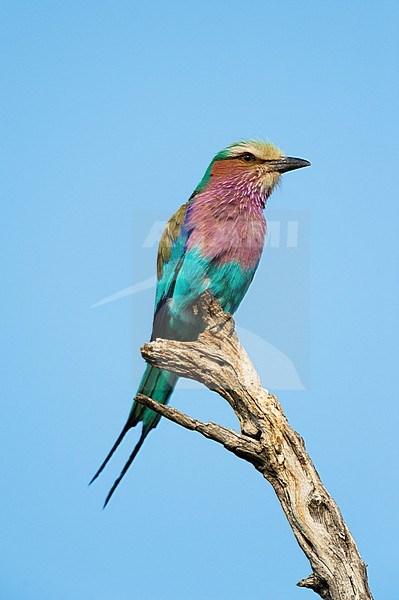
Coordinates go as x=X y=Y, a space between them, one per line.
x=317 y=585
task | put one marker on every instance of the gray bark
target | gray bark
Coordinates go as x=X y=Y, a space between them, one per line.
x=218 y=360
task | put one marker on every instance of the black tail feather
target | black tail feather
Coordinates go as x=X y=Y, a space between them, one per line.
x=114 y=447
x=127 y=465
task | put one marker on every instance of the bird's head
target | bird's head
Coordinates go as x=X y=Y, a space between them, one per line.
x=246 y=167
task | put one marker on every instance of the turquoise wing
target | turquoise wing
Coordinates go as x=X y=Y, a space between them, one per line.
x=171 y=255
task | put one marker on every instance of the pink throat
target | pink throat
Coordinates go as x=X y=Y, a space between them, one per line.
x=227 y=222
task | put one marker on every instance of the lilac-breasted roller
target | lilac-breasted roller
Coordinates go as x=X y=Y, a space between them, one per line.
x=213 y=242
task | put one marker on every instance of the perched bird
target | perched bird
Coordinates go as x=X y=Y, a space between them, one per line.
x=213 y=242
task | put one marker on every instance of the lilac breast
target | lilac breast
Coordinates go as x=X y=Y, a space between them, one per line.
x=227 y=228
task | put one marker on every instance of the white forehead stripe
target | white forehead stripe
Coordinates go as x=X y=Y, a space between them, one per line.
x=262 y=150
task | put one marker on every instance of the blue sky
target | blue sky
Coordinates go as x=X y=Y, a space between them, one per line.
x=111 y=113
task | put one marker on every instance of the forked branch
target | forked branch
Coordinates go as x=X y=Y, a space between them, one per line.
x=218 y=360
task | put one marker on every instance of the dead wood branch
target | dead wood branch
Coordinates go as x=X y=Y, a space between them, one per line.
x=218 y=360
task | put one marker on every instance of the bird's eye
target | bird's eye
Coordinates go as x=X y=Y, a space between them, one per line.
x=248 y=157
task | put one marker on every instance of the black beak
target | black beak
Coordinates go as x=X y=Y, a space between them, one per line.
x=287 y=163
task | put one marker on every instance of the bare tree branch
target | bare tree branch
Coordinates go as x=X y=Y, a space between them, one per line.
x=238 y=444
x=218 y=360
